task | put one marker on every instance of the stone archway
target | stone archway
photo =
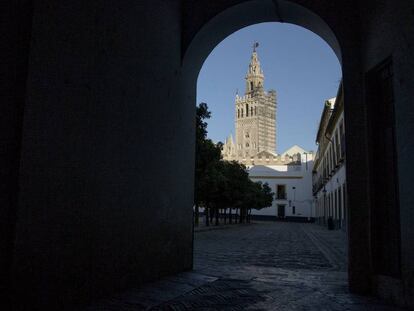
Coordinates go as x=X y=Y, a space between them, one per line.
x=343 y=42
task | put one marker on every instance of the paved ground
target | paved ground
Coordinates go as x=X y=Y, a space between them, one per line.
x=261 y=266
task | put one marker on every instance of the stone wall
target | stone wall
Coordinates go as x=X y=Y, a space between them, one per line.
x=388 y=32
x=95 y=214
x=15 y=29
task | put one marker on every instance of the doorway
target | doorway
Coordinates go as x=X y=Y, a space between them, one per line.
x=281 y=210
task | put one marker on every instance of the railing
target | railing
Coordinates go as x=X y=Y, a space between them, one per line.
x=317 y=185
x=281 y=196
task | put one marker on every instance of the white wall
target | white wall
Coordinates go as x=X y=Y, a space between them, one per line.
x=299 y=177
x=330 y=201
x=335 y=182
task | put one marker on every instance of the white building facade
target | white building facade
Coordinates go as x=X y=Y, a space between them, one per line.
x=329 y=171
x=291 y=184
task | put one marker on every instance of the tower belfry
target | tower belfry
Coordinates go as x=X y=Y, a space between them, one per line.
x=255 y=117
x=254 y=76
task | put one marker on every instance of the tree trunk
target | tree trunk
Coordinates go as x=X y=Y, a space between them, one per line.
x=230 y=215
x=206 y=216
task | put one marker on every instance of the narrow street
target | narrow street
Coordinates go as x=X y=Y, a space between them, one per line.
x=259 y=266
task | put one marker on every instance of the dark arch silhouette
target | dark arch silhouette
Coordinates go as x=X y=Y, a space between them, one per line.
x=212 y=32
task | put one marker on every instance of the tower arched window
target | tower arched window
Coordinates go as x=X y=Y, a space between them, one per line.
x=251 y=111
x=251 y=85
x=238 y=113
x=247 y=110
x=255 y=111
x=242 y=112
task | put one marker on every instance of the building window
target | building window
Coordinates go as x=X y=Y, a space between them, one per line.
x=330 y=159
x=338 y=146
x=293 y=210
x=238 y=113
x=251 y=86
x=247 y=135
x=281 y=192
x=255 y=111
x=247 y=145
x=342 y=138
x=251 y=111
x=247 y=110
x=344 y=208
x=242 y=112
x=341 y=212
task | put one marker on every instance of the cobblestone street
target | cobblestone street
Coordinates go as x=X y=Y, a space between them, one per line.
x=260 y=266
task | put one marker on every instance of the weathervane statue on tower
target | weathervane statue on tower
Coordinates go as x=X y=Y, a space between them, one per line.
x=255 y=45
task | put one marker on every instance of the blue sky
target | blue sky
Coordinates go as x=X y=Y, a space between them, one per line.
x=297 y=63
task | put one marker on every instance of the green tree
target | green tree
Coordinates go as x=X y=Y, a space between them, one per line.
x=260 y=196
x=207 y=157
x=222 y=186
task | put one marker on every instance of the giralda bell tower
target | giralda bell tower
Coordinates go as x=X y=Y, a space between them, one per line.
x=255 y=114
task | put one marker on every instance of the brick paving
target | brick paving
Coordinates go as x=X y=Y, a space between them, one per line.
x=259 y=266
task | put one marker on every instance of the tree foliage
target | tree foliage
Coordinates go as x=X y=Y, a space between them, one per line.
x=222 y=186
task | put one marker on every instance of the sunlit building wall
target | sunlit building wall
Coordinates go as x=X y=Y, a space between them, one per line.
x=329 y=180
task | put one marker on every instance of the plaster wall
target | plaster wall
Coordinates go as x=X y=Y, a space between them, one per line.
x=299 y=177
x=95 y=216
x=15 y=29
x=335 y=182
x=388 y=31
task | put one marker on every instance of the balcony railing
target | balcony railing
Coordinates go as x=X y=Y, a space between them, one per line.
x=281 y=196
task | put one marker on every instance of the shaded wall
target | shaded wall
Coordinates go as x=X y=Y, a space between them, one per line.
x=15 y=29
x=105 y=179
x=388 y=33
